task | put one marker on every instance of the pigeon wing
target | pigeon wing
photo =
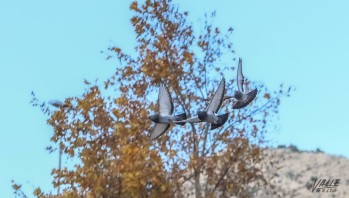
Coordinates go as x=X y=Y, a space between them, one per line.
x=158 y=130
x=240 y=77
x=165 y=101
x=217 y=99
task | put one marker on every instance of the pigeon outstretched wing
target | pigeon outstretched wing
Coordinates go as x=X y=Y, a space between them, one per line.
x=158 y=130
x=165 y=101
x=240 y=77
x=216 y=101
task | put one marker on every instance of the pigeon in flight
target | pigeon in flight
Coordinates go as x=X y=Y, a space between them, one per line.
x=209 y=114
x=164 y=118
x=58 y=104
x=242 y=99
x=55 y=103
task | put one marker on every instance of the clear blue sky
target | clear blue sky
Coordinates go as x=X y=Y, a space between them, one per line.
x=51 y=46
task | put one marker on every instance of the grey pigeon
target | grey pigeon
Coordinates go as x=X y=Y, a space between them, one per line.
x=209 y=114
x=58 y=104
x=55 y=103
x=242 y=99
x=164 y=118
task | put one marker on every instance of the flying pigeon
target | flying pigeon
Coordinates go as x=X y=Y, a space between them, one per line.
x=242 y=99
x=55 y=103
x=58 y=104
x=164 y=118
x=209 y=114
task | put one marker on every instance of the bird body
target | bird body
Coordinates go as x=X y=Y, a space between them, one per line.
x=240 y=96
x=215 y=120
x=210 y=118
x=55 y=103
x=59 y=104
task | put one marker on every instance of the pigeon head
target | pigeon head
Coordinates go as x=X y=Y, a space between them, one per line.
x=202 y=115
x=154 y=118
x=239 y=95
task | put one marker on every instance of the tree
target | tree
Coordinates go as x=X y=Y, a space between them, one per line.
x=107 y=136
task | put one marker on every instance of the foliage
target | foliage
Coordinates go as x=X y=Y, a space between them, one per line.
x=107 y=136
x=293 y=148
x=318 y=150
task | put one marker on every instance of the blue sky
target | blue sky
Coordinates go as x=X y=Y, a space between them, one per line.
x=51 y=46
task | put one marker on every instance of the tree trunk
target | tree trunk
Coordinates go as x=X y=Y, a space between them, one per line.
x=197 y=166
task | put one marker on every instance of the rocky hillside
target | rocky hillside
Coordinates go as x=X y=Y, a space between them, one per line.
x=296 y=173
x=299 y=169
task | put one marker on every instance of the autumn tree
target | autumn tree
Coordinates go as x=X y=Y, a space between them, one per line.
x=106 y=131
